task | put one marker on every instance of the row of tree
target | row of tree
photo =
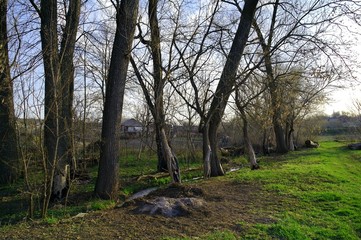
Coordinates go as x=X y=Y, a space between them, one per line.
x=265 y=60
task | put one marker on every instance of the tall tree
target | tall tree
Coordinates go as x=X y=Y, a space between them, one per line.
x=159 y=83
x=8 y=139
x=196 y=55
x=167 y=160
x=227 y=82
x=107 y=184
x=272 y=83
x=59 y=87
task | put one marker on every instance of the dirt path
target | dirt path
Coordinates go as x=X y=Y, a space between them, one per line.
x=227 y=203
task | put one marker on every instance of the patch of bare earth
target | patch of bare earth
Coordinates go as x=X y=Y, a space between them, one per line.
x=224 y=205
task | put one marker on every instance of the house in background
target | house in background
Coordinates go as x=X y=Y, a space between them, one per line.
x=131 y=128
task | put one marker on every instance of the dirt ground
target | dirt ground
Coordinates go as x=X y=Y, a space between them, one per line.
x=226 y=204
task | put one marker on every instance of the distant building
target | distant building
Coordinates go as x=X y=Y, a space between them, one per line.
x=342 y=124
x=131 y=128
x=183 y=130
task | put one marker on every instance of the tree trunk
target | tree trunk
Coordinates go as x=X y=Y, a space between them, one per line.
x=172 y=161
x=168 y=158
x=207 y=152
x=291 y=142
x=67 y=81
x=167 y=154
x=281 y=145
x=216 y=167
x=59 y=88
x=273 y=85
x=227 y=82
x=156 y=109
x=107 y=184
x=9 y=155
x=265 y=143
x=54 y=153
x=248 y=144
x=289 y=131
x=162 y=161
x=276 y=104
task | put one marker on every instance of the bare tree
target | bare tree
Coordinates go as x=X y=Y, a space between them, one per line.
x=59 y=87
x=25 y=57
x=227 y=82
x=293 y=35
x=195 y=85
x=8 y=139
x=196 y=54
x=107 y=184
x=167 y=159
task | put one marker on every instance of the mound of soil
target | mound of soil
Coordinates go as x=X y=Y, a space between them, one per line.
x=173 y=201
x=169 y=207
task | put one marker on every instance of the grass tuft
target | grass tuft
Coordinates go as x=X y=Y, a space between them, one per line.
x=102 y=205
x=287 y=229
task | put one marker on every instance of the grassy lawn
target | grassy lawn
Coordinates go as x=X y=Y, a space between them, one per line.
x=307 y=194
x=321 y=192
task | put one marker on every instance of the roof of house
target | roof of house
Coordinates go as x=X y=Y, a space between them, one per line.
x=131 y=123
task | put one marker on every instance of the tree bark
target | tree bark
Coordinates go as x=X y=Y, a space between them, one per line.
x=291 y=142
x=227 y=82
x=216 y=167
x=159 y=83
x=265 y=143
x=67 y=48
x=9 y=155
x=163 y=146
x=156 y=109
x=207 y=152
x=107 y=184
x=281 y=145
x=290 y=131
x=49 y=41
x=172 y=161
x=162 y=162
x=248 y=144
x=59 y=87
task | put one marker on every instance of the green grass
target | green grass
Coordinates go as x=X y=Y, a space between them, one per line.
x=217 y=235
x=132 y=168
x=322 y=188
x=102 y=204
x=318 y=193
x=14 y=204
